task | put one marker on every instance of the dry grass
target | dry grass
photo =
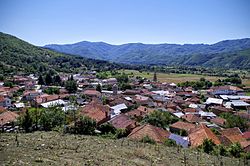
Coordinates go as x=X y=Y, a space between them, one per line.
x=51 y=148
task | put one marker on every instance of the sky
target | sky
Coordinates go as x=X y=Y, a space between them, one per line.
x=43 y=22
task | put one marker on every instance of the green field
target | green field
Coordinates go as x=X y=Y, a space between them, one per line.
x=53 y=148
x=175 y=78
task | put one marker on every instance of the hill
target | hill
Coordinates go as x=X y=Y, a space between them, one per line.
x=228 y=53
x=52 y=148
x=17 y=55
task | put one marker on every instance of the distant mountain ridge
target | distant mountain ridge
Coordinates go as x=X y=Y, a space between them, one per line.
x=227 y=53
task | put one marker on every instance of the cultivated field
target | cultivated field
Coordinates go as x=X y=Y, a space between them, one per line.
x=176 y=78
x=52 y=148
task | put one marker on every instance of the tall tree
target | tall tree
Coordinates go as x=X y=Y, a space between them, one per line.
x=41 y=80
x=155 y=77
x=48 y=79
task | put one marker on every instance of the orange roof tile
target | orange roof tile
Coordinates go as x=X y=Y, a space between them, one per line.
x=7 y=117
x=122 y=121
x=183 y=125
x=155 y=133
x=198 y=135
x=96 y=111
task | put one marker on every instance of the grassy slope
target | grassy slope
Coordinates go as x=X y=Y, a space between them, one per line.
x=51 y=148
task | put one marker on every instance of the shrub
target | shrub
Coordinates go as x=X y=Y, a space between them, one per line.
x=147 y=139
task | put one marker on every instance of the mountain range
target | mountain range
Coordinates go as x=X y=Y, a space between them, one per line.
x=18 y=56
x=227 y=53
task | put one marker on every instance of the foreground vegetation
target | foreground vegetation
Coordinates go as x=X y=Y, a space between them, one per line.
x=53 y=148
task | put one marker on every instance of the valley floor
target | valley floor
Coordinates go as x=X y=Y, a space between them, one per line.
x=53 y=148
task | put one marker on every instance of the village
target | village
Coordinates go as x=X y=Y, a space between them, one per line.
x=150 y=111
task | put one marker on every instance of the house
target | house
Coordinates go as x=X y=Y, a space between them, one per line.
x=179 y=140
x=58 y=102
x=194 y=99
x=30 y=95
x=2 y=109
x=122 y=121
x=226 y=90
x=238 y=104
x=140 y=112
x=97 y=111
x=207 y=115
x=188 y=110
x=7 y=117
x=38 y=100
x=231 y=135
x=199 y=134
x=5 y=101
x=245 y=145
x=218 y=121
x=214 y=101
x=217 y=110
x=109 y=81
x=116 y=110
x=246 y=135
x=155 y=133
x=179 y=126
x=92 y=93
x=192 y=118
x=142 y=100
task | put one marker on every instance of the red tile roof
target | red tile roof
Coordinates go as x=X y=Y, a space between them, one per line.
x=233 y=135
x=189 y=110
x=7 y=117
x=122 y=121
x=192 y=118
x=198 y=135
x=2 y=109
x=246 y=134
x=219 y=121
x=96 y=111
x=92 y=93
x=140 y=112
x=155 y=133
x=183 y=125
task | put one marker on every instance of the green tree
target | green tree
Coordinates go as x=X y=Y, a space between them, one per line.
x=99 y=88
x=169 y=142
x=51 y=117
x=48 y=79
x=160 y=119
x=208 y=146
x=85 y=125
x=71 y=86
x=57 y=80
x=234 y=121
x=8 y=84
x=26 y=122
x=235 y=150
x=147 y=139
x=41 y=80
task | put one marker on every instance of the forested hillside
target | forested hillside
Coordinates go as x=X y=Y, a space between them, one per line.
x=19 y=56
x=229 y=53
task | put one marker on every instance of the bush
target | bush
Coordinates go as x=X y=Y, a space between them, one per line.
x=235 y=150
x=169 y=142
x=51 y=117
x=147 y=139
x=26 y=122
x=160 y=119
x=208 y=146
x=85 y=125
